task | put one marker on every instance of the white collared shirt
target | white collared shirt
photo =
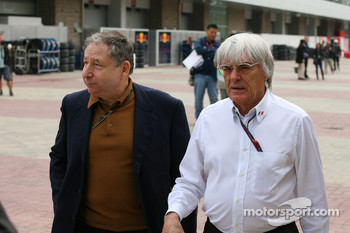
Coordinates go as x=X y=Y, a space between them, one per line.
x=222 y=165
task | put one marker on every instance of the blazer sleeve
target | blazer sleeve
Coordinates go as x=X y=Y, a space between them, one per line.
x=58 y=155
x=5 y=223
x=179 y=142
x=180 y=136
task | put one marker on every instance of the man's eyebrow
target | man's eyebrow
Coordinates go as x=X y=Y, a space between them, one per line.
x=95 y=60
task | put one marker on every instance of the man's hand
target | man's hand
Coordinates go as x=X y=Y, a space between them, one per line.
x=172 y=223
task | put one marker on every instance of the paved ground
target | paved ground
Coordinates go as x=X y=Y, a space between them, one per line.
x=29 y=121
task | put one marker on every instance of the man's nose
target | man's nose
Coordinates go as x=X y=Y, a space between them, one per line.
x=87 y=69
x=235 y=75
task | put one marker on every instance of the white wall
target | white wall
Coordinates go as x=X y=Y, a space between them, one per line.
x=18 y=32
x=308 y=7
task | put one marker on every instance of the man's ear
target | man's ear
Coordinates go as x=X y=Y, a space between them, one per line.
x=125 y=68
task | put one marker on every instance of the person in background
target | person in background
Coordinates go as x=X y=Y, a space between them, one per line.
x=118 y=147
x=205 y=76
x=300 y=60
x=251 y=151
x=221 y=81
x=221 y=86
x=307 y=54
x=187 y=47
x=318 y=57
x=5 y=69
x=6 y=225
x=337 y=54
x=328 y=57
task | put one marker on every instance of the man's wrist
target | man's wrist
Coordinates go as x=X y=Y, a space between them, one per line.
x=172 y=215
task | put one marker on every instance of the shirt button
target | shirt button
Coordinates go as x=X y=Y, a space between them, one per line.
x=245 y=149
x=238 y=201
x=242 y=174
x=110 y=125
x=237 y=224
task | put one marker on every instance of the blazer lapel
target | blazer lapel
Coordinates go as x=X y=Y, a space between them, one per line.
x=143 y=126
x=82 y=130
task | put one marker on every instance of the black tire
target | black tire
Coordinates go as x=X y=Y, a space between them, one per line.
x=139 y=49
x=54 y=44
x=43 y=63
x=57 y=62
x=139 y=46
x=49 y=60
x=139 y=60
x=44 y=45
x=48 y=44
x=49 y=63
x=64 y=68
x=63 y=45
x=139 y=65
x=64 y=53
x=34 y=64
x=71 y=45
x=53 y=63
x=139 y=53
x=64 y=60
x=35 y=44
x=71 y=67
x=71 y=59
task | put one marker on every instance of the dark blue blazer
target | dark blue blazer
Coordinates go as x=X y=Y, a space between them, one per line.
x=161 y=135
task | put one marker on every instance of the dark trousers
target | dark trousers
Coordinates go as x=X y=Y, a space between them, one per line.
x=289 y=228
x=318 y=63
x=84 y=228
x=305 y=72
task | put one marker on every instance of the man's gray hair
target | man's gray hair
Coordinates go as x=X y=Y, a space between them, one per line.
x=120 y=48
x=247 y=47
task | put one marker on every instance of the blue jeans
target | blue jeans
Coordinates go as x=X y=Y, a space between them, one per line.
x=202 y=81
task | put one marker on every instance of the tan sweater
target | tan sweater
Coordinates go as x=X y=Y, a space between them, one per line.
x=110 y=199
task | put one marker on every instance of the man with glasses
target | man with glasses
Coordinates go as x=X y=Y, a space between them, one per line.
x=252 y=151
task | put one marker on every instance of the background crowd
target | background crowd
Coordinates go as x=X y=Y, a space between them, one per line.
x=325 y=54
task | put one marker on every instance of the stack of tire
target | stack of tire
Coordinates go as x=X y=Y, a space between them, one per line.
x=67 y=56
x=280 y=52
x=140 y=53
x=292 y=53
x=48 y=48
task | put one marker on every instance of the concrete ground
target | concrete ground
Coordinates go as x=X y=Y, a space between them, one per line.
x=29 y=122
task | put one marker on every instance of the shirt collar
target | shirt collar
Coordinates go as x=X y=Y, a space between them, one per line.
x=260 y=109
x=263 y=106
x=94 y=99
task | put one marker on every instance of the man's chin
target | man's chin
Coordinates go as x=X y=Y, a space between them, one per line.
x=238 y=92
x=92 y=91
x=237 y=97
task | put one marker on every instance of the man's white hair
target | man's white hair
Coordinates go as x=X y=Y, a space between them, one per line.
x=247 y=47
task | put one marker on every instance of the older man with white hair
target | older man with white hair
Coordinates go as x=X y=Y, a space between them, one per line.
x=252 y=151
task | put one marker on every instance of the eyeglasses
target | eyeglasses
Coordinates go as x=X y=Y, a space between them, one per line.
x=244 y=68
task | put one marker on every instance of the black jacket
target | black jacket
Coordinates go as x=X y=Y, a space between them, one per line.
x=5 y=224
x=300 y=54
x=207 y=50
